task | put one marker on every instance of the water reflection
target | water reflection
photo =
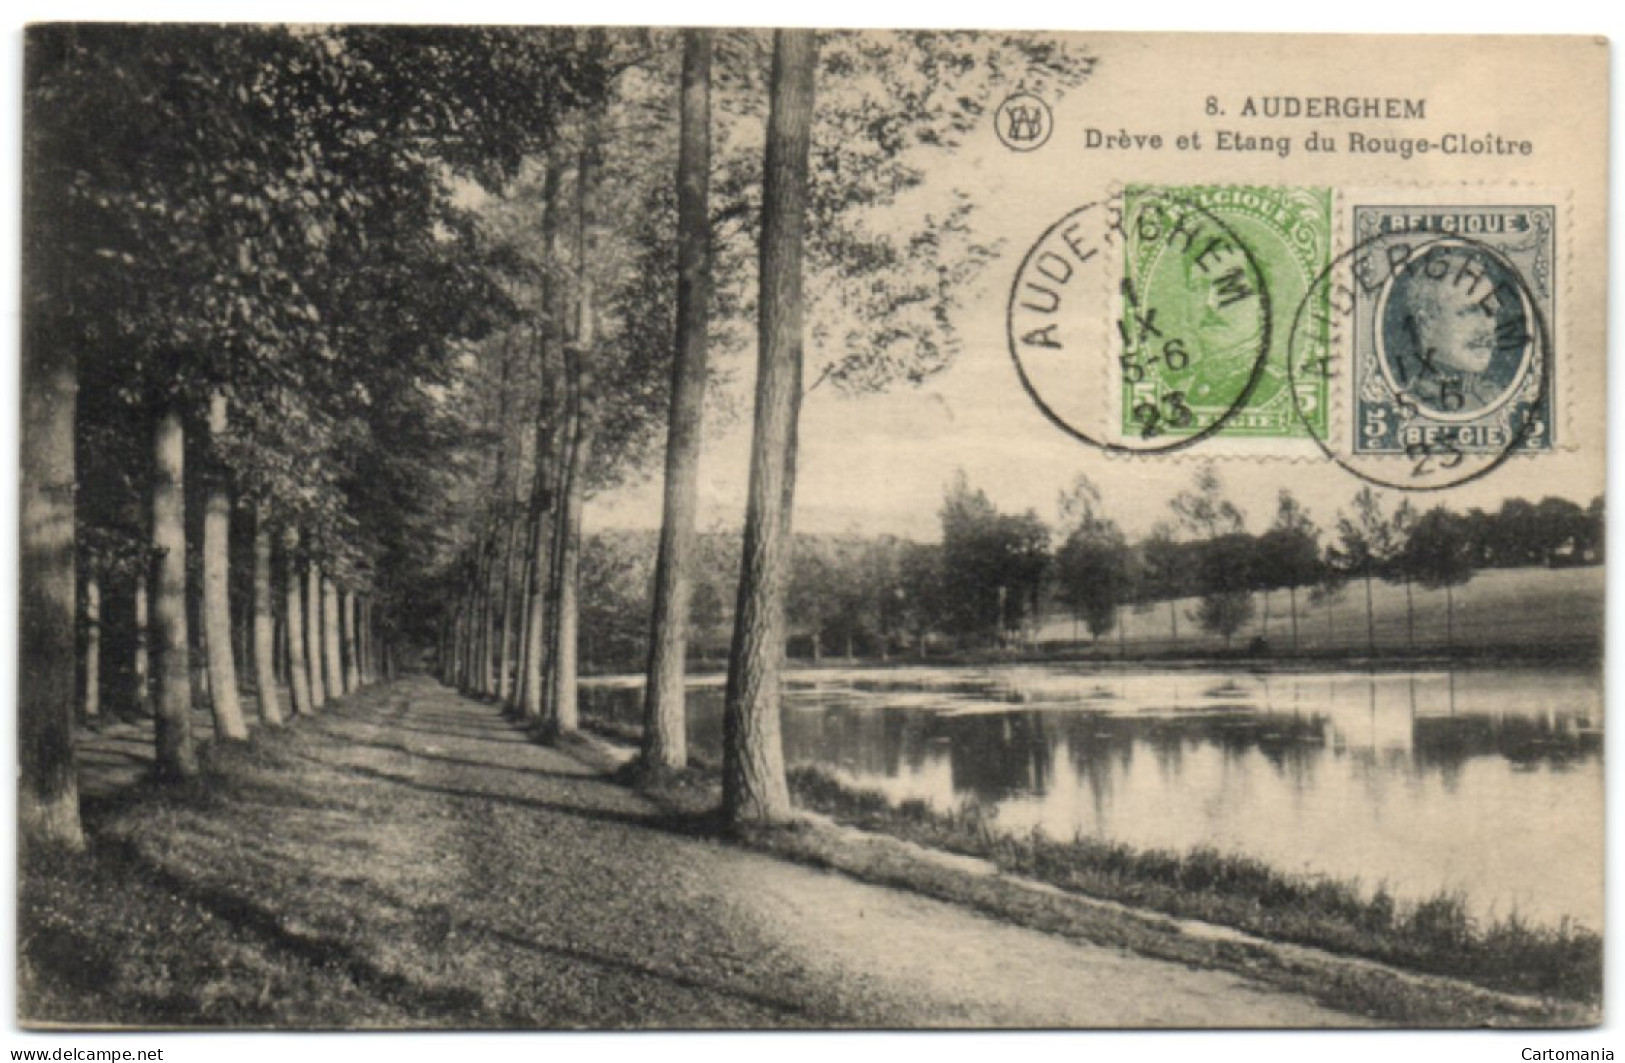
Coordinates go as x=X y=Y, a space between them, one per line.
x=1479 y=782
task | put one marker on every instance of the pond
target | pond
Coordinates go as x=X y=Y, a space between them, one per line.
x=1483 y=782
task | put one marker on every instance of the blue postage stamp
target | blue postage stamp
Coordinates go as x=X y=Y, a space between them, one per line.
x=1452 y=334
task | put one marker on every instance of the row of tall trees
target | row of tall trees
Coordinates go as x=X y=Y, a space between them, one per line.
x=994 y=577
x=249 y=285
x=699 y=187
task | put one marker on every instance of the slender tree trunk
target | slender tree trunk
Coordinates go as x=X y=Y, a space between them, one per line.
x=332 y=660
x=93 y=647
x=298 y=668
x=665 y=740
x=279 y=633
x=754 y=786
x=522 y=648
x=264 y=624
x=554 y=597
x=564 y=713
x=448 y=659
x=313 y=633
x=559 y=709
x=1449 y=620
x=510 y=599
x=176 y=755
x=140 y=668
x=1410 y=617
x=490 y=619
x=352 y=663
x=1370 y=619
x=228 y=710
x=559 y=641
x=1292 y=600
x=363 y=639
x=549 y=442
x=480 y=612
x=471 y=656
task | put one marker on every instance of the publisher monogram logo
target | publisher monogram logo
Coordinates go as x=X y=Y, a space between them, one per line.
x=1023 y=122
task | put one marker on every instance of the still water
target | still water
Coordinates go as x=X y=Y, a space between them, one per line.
x=1485 y=782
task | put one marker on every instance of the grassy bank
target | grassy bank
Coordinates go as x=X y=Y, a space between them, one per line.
x=1436 y=936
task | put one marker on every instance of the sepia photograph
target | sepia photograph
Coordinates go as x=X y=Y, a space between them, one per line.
x=708 y=528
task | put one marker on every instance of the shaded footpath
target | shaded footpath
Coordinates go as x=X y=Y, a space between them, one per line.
x=446 y=870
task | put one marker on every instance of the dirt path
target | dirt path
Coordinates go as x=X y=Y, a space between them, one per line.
x=469 y=877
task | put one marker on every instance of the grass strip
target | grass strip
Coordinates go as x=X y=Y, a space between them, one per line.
x=1437 y=935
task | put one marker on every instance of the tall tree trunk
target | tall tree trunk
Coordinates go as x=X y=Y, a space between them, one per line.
x=479 y=647
x=313 y=633
x=228 y=710
x=298 y=668
x=264 y=624
x=753 y=783
x=92 y=704
x=516 y=703
x=176 y=755
x=537 y=629
x=48 y=794
x=332 y=661
x=1449 y=620
x=450 y=667
x=549 y=442
x=665 y=740
x=559 y=708
x=279 y=633
x=1410 y=617
x=564 y=715
x=558 y=529
x=471 y=605
x=352 y=665
x=363 y=638
x=1292 y=599
x=509 y=611
x=140 y=667
x=489 y=619
x=1370 y=619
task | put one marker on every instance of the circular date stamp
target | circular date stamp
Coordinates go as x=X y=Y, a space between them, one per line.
x=1155 y=288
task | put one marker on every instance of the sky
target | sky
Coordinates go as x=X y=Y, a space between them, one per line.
x=879 y=463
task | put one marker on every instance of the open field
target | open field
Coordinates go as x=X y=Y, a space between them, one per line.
x=1535 y=610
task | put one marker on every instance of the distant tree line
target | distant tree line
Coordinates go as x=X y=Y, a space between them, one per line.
x=994 y=576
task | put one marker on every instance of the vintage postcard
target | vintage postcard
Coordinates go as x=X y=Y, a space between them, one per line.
x=556 y=527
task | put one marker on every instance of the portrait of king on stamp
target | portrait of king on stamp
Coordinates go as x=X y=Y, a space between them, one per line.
x=1450 y=336
x=1183 y=269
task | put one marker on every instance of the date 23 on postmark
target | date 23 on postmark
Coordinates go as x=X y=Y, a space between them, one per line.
x=1445 y=341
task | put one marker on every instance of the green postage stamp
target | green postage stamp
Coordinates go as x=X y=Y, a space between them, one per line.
x=1213 y=275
